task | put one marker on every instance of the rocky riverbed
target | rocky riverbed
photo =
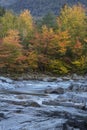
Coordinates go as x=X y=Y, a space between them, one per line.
x=47 y=104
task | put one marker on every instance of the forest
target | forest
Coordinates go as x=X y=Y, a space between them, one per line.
x=39 y=8
x=53 y=44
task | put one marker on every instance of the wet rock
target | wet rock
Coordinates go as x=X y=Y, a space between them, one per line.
x=71 y=104
x=6 y=86
x=2 y=115
x=80 y=106
x=66 y=78
x=51 y=102
x=77 y=77
x=6 y=80
x=47 y=124
x=18 y=111
x=34 y=104
x=55 y=91
x=77 y=87
x=21 y=96
x=23 y=103
x=67 y=104
x=50 y=79
x=80 y=124
x=74 y=87
x=67 y=127
x=74 y=120
x=59 y=79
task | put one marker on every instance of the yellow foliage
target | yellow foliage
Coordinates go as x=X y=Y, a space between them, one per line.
x=12 y=37
x=57 y=66
x=7 y=22
x=81 y=64
x=74 y=15
x=73 y=20
x=25 y=23
x=26 y=18
x=46 y=31
x=60 y=42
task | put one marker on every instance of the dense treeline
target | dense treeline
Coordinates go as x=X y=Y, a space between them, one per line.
x=52 y=44
x=39 y=8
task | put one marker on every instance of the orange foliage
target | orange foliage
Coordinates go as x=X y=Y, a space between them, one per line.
x=78 y=48
x=10 y=49
x=32 y=60
x=78 y=45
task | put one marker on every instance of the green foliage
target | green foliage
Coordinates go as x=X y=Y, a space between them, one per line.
x=49 y=20
x=2 y=11
x=8 y=21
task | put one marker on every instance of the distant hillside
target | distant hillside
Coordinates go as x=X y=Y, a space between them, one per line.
x=6 y=3
x=40 y=7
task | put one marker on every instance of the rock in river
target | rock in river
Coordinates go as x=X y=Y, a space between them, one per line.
x=58 y=90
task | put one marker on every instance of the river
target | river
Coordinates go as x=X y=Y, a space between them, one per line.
x=59 y=104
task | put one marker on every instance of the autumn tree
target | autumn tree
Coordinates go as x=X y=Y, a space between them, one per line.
x=8 y=21
x=73 y=20
x=40 y=44
x=25 y=25
x=32 y=60
x=49 y=45
x=10 y=49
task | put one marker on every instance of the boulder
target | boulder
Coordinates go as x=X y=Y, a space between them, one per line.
x=77 y=77
x=55 y=91
x=26 y=103
x=6 y=80
x=2 y=115
x=77 y=87
x=50 y=79
x=51 y=103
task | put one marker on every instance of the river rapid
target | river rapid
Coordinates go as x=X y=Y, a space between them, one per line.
x=46 y=104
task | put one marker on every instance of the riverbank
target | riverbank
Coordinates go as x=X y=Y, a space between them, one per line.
x=42 y=76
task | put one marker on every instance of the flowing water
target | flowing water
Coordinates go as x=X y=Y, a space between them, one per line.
x=43 y=105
